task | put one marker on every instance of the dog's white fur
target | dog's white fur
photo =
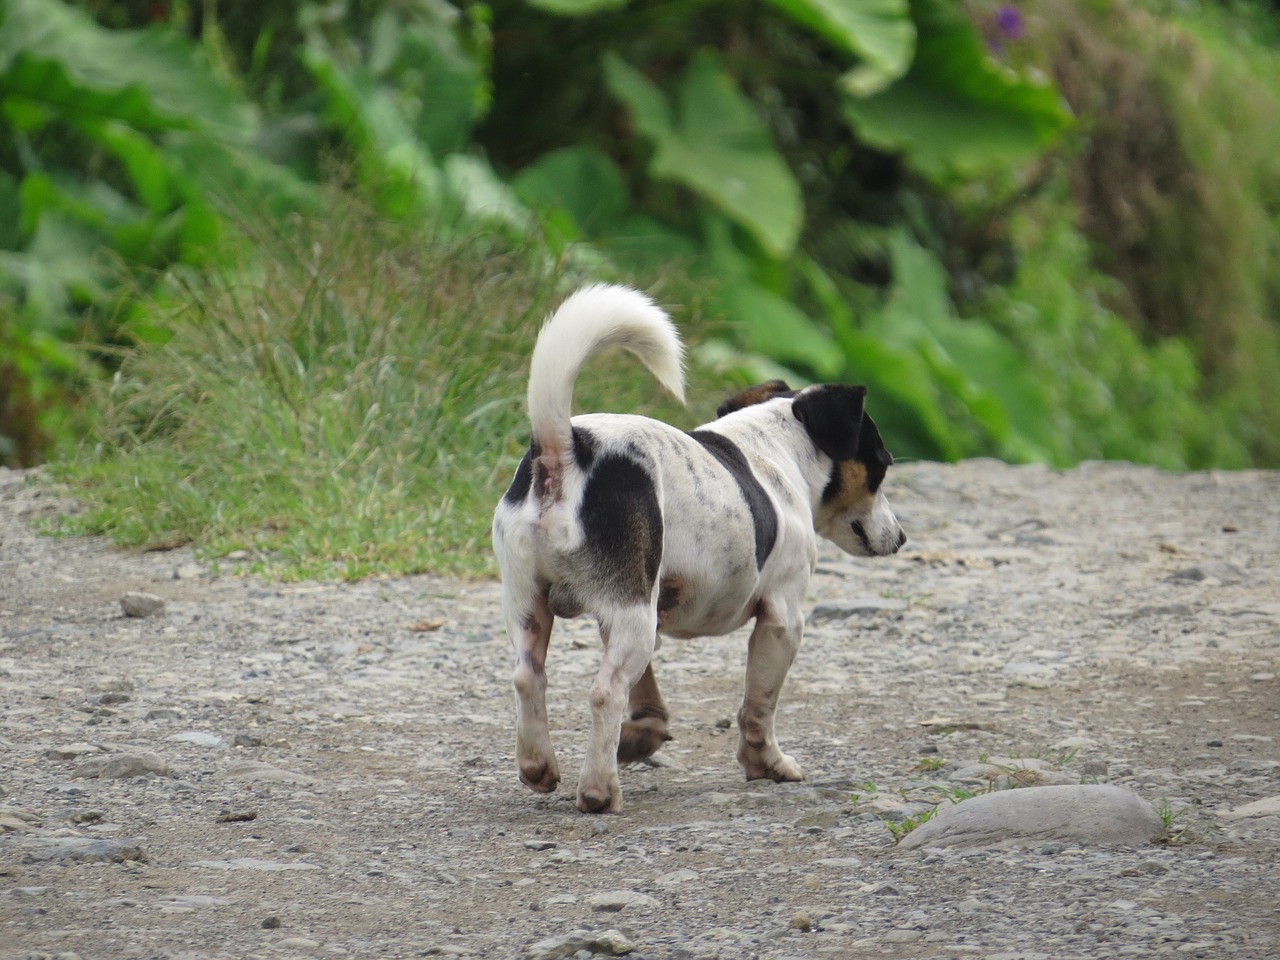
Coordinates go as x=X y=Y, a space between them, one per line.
x=644 y=527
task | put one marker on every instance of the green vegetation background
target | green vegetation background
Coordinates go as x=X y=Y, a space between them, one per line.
x=270 y=274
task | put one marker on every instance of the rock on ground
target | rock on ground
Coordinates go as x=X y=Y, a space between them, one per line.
x=1084 y=813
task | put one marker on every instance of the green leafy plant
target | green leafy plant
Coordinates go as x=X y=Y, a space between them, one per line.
x=957 y=112
x=718 y=177
x=900 y=828
x=1185 y=823
x=158 y=127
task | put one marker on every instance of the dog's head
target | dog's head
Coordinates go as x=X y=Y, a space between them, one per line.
x=853 y=512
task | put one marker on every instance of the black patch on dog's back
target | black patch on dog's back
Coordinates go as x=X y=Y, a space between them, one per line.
x=522 y=481
x=622 y=523
x=763 y=516
x=584 y=447
x=584 y=452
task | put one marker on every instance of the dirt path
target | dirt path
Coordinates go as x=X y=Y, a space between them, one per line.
x=325 y=770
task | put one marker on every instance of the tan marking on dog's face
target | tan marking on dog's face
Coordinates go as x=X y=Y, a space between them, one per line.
x=851 y=493
x=854 y=517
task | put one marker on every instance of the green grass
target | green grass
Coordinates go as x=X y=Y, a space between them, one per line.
x=349 y=402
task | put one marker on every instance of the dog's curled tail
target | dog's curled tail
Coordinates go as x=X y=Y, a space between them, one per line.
x=591 y=320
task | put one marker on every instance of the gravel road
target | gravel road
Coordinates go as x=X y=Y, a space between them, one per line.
x=326 y=770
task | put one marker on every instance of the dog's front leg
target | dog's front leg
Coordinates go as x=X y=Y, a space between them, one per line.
x=770 y=652
x=535 y=756
x=629 y=635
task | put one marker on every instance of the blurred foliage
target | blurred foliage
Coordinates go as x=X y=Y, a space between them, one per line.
x=1036 y=231
x=343 y=405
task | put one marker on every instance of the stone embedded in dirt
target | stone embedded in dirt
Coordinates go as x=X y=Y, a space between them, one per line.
x=87 y=850
x=198 y=738
x=297 y=943
x=606 y=943
x=848 y=609
x=615 y=901
x=540 y=844
x=16 y=819
x=1266 y=807
x=70 y=751
x=1075 y=744
x=676 y=878
x=137 y=603
x=1254 y=768
x=253 y=863
x=122 y=766
x=1223 y=571
x=1087 y=813
x=259 y=772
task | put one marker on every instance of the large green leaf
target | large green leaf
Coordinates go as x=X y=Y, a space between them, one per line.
x=394 y=160
x=482 y=194
x=57 y=270
x=778 y=329
x=577 y=8
x=967 y=360
x=771 y=325
x=879 y=32
x=579 y=181
x=415 y=51
x=54 y=57
x=956 y=112
x=713 y=143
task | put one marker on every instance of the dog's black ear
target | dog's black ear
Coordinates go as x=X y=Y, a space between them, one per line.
x=753 y=395
x=832 y=414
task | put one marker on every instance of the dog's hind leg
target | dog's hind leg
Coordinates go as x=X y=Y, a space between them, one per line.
x=629 y=634
x=535 y=756
x=770 y=652
x=646 y=730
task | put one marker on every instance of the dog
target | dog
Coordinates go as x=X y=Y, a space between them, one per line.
x=656 y=531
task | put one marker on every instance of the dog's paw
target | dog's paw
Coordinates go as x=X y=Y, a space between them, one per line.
x=601 y=799
x=780 y=768
x=641 y=738
x=538 y=774
x=785 y=769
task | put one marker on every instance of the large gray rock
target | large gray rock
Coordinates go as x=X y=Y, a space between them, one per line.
x=607 y=943
x=86 y=850
x=123 y=766
x=1080 y=813
x=140 y=604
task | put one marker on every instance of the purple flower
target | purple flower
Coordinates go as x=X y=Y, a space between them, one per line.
x=1009 y=22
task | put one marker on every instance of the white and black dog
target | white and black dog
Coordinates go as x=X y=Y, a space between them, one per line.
x=654 y=530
